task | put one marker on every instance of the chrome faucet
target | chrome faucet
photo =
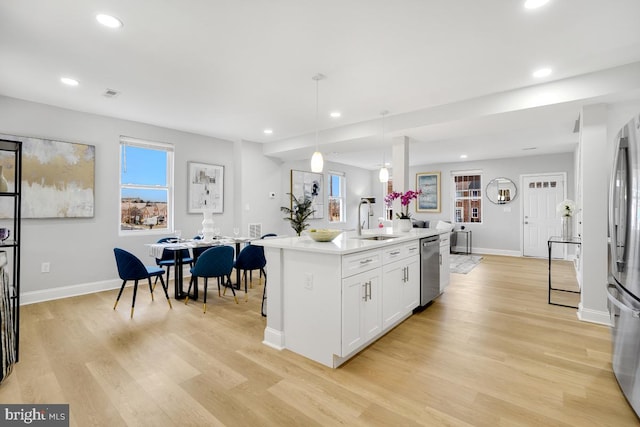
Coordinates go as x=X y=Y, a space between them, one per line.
x=360 y=214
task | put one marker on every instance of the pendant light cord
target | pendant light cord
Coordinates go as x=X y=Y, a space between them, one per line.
x=317 y=95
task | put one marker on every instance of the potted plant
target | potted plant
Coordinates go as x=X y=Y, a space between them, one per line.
x=299 y=213
x=405 y=199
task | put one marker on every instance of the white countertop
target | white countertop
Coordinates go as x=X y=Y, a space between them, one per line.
x=348 y=242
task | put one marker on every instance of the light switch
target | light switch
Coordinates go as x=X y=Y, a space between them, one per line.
x=308 y=281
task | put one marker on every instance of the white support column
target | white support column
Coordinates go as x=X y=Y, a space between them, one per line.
x=400 y=165
x=593 y=152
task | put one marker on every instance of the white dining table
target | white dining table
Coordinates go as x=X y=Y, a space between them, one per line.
x=157 y=249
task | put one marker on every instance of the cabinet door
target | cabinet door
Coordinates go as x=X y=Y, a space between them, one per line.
x=411 y=285
x=444 y=267
x=361 y=319
x=392 y=287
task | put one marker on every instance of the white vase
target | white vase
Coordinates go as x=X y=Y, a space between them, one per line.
x=4 y=185
x=566 y=227
x=207 y=226
x=404 y=225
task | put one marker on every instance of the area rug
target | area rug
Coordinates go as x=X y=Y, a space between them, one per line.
x=463 y=264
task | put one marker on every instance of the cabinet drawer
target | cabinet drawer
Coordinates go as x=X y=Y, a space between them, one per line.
x=400 y=251
x=359 y=262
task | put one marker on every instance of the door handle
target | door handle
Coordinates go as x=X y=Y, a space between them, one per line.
x=615 y=301
x=526 y=222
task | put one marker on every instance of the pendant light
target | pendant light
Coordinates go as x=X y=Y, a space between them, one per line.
x=316 y=160
x=384 y=172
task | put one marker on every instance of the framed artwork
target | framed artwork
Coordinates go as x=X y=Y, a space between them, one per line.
x=310 y=185
x=429 y=185
x=58 y=178
x=206 y=188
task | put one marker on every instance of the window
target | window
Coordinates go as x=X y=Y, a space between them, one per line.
x=467 y=198
x=146 y=186
x=336 y=197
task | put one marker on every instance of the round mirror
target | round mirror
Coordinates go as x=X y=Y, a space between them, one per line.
x=501 y=191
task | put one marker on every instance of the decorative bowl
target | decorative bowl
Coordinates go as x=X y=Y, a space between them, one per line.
x=324 y=234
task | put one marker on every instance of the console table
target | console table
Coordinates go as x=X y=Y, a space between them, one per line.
x=467 y=241
x=566 y=241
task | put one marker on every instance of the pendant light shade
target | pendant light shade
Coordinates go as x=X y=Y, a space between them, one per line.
x=383 y=175
x=317 y=162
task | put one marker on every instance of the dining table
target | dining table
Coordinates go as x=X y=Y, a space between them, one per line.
x=176 y=246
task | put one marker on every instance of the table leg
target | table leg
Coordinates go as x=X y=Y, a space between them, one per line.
x=237 y=269
x=177 y=275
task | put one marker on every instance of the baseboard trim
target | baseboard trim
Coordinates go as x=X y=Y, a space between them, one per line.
x=594 y=316
x=33 y=297
x=273 y=338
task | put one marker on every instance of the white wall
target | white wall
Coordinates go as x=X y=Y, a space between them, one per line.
x=358 y=184
x=500 y=231
x=81 y=250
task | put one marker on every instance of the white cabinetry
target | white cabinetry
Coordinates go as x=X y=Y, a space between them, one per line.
x=400 y=282
x=361 y=309
x=361 y=299
x=445 y=250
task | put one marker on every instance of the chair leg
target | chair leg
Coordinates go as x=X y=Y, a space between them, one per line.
x=151 y=288
x=164 y=288
x=246 y=294
x=264 y=293
x=186 y=298
x=119 y=294
x=135 y=291
x=229 y=284
x=204 y=297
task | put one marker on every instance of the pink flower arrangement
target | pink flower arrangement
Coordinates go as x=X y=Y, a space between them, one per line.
x=405 y=199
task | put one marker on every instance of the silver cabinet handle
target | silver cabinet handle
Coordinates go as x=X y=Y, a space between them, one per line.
x=364 y=285
x=366 y=261
x=394 y=253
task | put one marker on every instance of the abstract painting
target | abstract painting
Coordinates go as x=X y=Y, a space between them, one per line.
x=428 y=183
x=309 y=185
x=206 y=188
x=58 y=178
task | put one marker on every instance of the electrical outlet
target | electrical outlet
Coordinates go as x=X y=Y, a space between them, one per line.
x=308 y=282
x=45 y=268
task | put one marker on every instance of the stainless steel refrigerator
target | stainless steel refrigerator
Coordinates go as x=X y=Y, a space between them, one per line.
x=624 y=261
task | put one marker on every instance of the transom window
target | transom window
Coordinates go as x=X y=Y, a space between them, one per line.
x=146 y=186
x=467 y=198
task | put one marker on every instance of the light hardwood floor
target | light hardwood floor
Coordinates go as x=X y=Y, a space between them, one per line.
x=488 y=352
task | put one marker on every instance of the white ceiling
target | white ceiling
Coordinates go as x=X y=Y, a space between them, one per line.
x=230 y=69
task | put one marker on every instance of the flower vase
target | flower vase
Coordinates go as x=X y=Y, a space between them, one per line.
x=404 y=224
x=566 y=227
x=207 y=226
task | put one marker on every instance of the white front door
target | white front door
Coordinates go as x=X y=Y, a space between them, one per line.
x=541 y=195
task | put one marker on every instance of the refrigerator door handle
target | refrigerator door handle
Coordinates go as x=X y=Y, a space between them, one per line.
x=615 y=301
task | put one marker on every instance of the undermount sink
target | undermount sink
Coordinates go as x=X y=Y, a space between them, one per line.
x=376 y=237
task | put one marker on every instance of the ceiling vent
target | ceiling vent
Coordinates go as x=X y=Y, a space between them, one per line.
x=111 y=93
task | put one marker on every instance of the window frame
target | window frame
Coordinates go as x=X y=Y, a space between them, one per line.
x=168 y=187
x=474 y=194
x=342 y=197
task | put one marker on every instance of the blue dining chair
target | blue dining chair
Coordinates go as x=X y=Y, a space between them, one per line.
x=168 y=257
x=214 y=262
x=251 y=257
x=131 y=268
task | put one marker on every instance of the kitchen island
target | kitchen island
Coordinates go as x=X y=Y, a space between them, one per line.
x=329 y=300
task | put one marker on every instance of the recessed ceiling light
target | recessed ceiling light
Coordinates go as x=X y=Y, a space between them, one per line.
x=335 y=114
x=463 y=156
x=109 y=21
x=542 y=72
x=534 y=4
x=69 y=81
x=268 y=131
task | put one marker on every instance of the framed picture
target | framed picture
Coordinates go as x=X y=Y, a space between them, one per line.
x=310 y=185
x=429 y=198
x=58 y=178
x=206 y=188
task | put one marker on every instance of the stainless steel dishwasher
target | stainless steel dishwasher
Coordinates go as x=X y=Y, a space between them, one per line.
x=429 y=269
